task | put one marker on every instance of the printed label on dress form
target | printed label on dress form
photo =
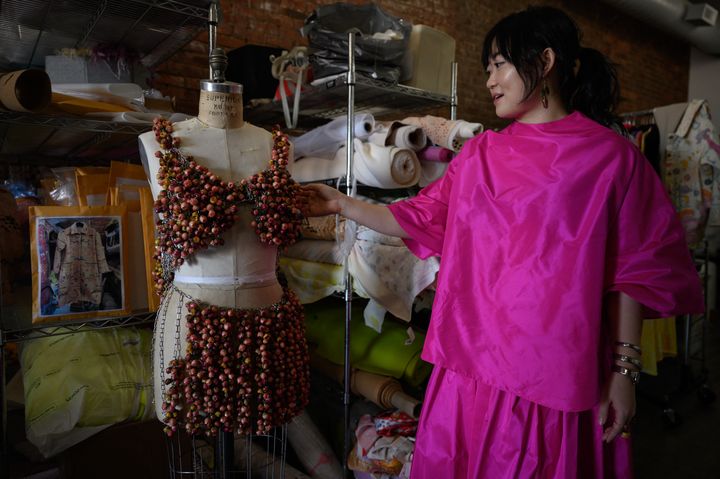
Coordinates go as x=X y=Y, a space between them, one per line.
x=220 y=110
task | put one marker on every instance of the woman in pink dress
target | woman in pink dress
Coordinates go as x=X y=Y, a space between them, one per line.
x=556 y=239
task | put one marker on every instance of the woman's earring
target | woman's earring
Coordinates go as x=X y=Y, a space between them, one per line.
x=544 y=92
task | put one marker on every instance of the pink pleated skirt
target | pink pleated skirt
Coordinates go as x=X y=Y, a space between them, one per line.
x=471 y=430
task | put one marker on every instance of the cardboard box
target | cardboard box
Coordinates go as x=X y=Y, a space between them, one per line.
x=431 y=55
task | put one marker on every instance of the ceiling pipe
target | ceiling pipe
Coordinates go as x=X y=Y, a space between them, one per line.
x=669 y=16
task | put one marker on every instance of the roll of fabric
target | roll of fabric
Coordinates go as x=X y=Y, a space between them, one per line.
x=384 y=391
x=331 y=228
x=311 y=168
x=461 y=132
x=126 y=116
x=385 y=353
x=397 y=134
x=450 y=134
x=386 y=167
x=431 y=171
x=435 y=153
x=324 y=141
x=312 y=281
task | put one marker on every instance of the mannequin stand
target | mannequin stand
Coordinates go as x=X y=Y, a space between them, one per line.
x=228 y=457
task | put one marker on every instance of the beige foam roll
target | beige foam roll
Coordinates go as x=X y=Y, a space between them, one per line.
x=25 y=90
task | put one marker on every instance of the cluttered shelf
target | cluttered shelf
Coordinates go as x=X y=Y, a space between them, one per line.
x=69 y=327
x=327 y=98
x=66 y=138
x=109 y=42
x=155 y=29
x=73 y=123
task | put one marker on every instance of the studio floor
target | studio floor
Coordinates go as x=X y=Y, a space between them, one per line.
x=689 y=449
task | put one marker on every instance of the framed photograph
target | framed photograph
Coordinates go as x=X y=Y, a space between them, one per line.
x=79 y=262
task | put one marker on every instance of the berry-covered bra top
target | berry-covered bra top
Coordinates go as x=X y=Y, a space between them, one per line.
x=195 y=207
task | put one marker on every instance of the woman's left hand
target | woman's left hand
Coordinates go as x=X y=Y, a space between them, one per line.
x=617 y=406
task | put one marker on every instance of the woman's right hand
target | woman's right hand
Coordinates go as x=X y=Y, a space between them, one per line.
x=319 y=200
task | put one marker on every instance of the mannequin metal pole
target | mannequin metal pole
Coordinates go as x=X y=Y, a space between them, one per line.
x=453 y=91
x=350 y=190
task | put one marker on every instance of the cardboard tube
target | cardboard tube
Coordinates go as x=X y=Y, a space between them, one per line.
x=384 y=391
x=25 y=90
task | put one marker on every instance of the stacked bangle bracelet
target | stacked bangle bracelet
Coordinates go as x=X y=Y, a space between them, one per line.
x=632 y=346
x=632 y=374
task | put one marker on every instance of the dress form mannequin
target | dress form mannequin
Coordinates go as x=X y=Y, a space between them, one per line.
x=241 y=273
x=229 y=350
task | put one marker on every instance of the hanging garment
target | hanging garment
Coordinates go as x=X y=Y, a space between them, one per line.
x=667 y=118
x=692 y=171
x=535 y=224
x=79 y=264
x=243 y=370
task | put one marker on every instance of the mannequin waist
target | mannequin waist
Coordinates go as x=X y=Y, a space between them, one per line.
x=253 y=280
x=233 y=295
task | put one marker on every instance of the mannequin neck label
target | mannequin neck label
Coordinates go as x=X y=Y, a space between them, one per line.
x=221 y=110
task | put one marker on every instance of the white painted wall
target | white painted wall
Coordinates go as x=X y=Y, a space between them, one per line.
x=705 y=81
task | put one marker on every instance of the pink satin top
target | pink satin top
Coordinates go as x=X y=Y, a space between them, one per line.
x=535 y=224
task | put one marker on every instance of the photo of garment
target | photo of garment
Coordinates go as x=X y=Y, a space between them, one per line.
x=79 y=264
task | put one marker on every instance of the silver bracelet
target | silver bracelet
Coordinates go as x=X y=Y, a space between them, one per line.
x=633 y=376
x=627 y=359
x=632 y=346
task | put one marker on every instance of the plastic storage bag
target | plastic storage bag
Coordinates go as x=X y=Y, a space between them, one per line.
x=76 y=385
x=381 y=43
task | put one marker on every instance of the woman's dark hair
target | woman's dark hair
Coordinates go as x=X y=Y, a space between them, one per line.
x=522 y=37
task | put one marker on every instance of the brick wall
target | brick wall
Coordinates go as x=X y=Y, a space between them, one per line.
x=653 y=71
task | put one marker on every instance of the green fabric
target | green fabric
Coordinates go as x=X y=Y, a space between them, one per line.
x=384 y=353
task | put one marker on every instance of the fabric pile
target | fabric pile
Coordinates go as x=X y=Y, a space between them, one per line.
x=388 y=155
x=384 y=446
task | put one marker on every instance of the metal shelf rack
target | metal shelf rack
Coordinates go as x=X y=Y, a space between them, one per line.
x=358 y=94
x=327 y=99
x=155 y=29
x=81 y=124
x=32 y=29
x=70 y=327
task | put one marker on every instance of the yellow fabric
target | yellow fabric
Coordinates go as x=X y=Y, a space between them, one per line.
x=659 y=341
x=312 y=281
x=80 y=106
